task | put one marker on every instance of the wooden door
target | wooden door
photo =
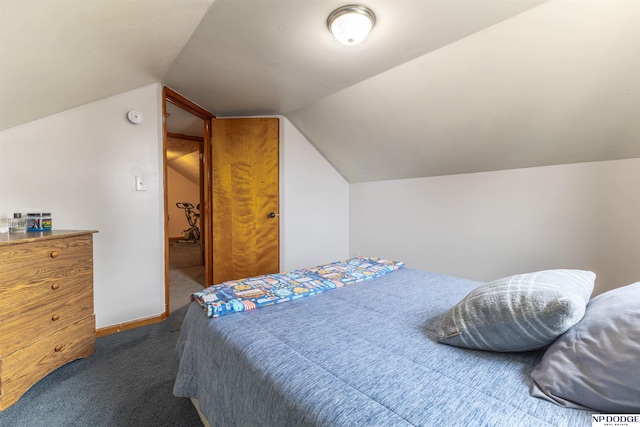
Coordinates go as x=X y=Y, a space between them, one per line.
x=245 y=197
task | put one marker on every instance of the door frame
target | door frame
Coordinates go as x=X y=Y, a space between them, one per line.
x=206 y=220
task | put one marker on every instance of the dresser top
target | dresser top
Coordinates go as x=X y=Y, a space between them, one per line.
x=33 y=236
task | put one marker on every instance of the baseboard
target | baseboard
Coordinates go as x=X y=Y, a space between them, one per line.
x=130 y=325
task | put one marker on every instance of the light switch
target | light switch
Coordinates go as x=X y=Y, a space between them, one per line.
x=141 y=183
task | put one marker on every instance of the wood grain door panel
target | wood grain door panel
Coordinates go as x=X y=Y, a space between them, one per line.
x=245 y=172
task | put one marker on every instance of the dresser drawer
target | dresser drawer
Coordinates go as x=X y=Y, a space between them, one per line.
x=40 y=317
x=26 y=263
x=44 y=289
x=26 y=366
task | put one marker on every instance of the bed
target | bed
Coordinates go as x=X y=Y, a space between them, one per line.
x=360 y=355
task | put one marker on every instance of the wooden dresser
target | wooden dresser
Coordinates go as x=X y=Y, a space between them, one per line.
x=46 y=306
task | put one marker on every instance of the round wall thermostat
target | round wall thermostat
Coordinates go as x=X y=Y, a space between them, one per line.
x=135 y=117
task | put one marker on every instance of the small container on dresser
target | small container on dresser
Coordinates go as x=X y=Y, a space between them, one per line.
x=38 y=221
x=46 y=306
x=17 y=224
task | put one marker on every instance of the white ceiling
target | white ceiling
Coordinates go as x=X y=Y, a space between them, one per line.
x=439 y=87
x=59 y=54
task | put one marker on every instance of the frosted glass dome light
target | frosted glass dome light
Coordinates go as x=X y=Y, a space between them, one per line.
x=351 y=24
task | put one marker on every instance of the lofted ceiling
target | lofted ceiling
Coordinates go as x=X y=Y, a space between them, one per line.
x=439 y=87
x=184 y=135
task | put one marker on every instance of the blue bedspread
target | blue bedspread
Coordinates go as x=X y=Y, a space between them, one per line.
x=361 y=355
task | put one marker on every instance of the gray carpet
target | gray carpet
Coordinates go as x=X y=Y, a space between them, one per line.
x=128 y=381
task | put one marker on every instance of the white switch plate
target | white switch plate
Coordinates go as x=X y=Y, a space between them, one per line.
x=141 y=183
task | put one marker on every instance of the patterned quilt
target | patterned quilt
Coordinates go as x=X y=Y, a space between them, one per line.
x=260 y=291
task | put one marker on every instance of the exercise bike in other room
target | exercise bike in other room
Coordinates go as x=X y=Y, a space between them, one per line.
x=191 y=234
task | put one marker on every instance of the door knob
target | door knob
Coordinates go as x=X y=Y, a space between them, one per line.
x=271 y=215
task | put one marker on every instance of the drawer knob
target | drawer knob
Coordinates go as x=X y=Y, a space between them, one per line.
x=55 y=317
x=55 y=286
x=58 y=348
x=54 y=254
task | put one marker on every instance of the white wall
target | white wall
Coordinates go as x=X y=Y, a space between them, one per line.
x=487 y=225
x=314 y=201
x=81 y=166
x=180 y=189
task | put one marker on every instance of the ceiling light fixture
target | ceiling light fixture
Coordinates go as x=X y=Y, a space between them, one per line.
x=351 y=24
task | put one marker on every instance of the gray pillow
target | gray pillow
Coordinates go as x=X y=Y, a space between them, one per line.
x=518 y=313
x=596 y=364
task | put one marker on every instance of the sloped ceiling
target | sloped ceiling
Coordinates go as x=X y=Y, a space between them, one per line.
x=183 y=142
x=187 y=165
x=558 y=84
x=183 y=157
x=59 y=54
x=439 y=87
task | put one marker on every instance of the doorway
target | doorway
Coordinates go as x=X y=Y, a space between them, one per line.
x=186 y=189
